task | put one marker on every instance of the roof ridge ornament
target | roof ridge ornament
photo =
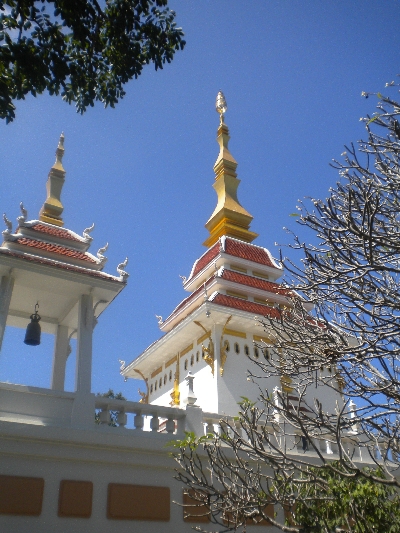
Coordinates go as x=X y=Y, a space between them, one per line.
x=8 y=224
x=86 y=231
x=21 y=219
x=123 y=276
x=52 y=208
x=100 y=254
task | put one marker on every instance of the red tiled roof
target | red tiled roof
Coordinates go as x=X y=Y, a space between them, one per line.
x=235 y=248
x=248 y=251
x=54 y=248
x=57 y=232
x=251 y=281
x=206 y=258
x=189 y=298
x=64 y=266
x=244 y=305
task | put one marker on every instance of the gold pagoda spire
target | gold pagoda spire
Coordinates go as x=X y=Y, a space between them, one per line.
x=52 y=208
x=229 y=217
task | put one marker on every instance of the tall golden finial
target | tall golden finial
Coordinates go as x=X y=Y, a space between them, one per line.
x=229 y=217
x=52 y=208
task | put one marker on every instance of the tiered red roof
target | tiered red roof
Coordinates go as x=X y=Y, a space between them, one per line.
x=206 y=258
x=193 y=296
x=235 y=248
x=245 y=305
x=56 y=232
x=54 y=248
x=57 y=264
x=248 y=251
x=251 y=281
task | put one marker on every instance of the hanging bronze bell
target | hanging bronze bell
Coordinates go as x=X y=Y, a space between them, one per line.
x=33 y=330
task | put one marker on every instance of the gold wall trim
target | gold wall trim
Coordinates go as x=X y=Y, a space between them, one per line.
x=171 y=361
x=203 y=337
x=258 y=338
x=237 y=295
x=158 y=371
x=186 y=350
x=260 y=274
x=264 y=301
x=239 y=269
x=235 y=333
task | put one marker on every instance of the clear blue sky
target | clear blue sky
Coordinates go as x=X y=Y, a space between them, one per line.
x=292 y=73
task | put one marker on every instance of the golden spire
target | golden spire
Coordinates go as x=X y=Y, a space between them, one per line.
x=229 y=217
x=52 y=207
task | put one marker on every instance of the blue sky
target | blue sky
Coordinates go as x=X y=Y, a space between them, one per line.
x=292 y=73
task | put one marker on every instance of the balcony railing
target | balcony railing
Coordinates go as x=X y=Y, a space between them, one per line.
x=146 y=417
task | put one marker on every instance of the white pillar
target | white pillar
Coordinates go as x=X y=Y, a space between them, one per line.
x=194 y=420
x=61 y=352
x=6 y=288
x=216 y=332
x=83 y=373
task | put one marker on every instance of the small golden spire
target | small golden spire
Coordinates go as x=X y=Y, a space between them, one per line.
x=229 y=217
x=52 y=208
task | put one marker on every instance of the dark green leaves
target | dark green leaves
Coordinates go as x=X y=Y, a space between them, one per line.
x=80 y=50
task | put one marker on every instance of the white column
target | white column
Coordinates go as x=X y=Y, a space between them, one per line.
x=216 y=333
x=6 y=288
x=83 y=373
x=61 y=352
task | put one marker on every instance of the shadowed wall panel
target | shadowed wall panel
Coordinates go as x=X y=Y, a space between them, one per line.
x=138 y=502
x=21 y=495
x=75 y=498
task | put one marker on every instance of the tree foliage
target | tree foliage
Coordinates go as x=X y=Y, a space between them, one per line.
x=81 y=49
x=333 y=500
x=280 y=450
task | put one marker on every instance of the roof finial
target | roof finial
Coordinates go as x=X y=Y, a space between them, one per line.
x=229 y=217
x=220 y=106
x=52 y=208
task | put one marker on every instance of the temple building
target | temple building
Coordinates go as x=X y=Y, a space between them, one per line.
x=215 y=331
x=41 y=261
x=66 y=464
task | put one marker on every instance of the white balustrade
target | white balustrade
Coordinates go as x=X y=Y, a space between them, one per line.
x=146 y=417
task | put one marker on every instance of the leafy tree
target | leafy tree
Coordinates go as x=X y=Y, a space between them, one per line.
x=332 y=501
x=81 y=49
x=350 y=343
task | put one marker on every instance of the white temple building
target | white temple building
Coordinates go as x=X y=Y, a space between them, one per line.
x=213 y=332
x=59 y=470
